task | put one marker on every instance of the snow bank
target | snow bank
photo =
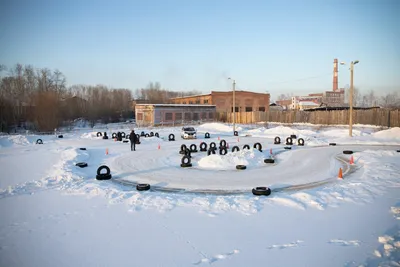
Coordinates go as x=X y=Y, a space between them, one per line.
x=393 y=133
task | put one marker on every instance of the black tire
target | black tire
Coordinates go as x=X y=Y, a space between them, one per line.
x=186 y=165
x=241 y=167
x=246 y=147
x=101 y=168
x=151 y=134
x=287 y=147
x=123 y=135
x=81 y=164
x=142 y=187
x=60 y=136
x=185 y=159
x=348 y=152
x=222 y=143
x=398 y=151
x=258 y=146
x=99 y=134
x=277 y=140
x=39 y=141
x=203 y=146
x=235 y=148
x=293 y=136
x=114 y=135
x=103 y=176
x=127 y=136
x=269 y=161
x=210 y=151
x=213 y=145
x=82 y=148
x=171 y=137
x=223 y=151
x=300 y=142
x=261 y=191
x=183 y=148
x=332 y=144
x=207 y=135
x=193 y=148
x=105 y=134
x=105 y=137
x=147 y=135
x=142 y=134
x=125 y=141
x=235 y=133
x=289 y=141
x=157 y=135
x=188 y=153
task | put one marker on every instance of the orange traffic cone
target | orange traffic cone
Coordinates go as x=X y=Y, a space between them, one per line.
x=106 y=151
x=340 y=175
x=159 y=147
x=218 y=138
x=351 y=160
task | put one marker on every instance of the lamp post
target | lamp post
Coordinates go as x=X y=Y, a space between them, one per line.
x=233 y=102
x=351 y=95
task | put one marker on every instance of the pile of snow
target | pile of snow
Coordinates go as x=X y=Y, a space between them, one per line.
x=248 y=157
x=217 y=127
x=393 y=133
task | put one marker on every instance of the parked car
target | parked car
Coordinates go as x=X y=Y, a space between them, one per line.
x=188 y=133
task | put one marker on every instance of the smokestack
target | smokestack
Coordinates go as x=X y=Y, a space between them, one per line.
x=335 y=75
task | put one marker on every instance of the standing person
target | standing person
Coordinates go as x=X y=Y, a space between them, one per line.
x=133 y=138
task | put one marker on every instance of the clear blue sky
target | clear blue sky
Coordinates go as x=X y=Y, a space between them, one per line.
x=184 y=45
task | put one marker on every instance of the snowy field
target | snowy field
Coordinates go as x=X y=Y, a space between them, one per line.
x=54 y=213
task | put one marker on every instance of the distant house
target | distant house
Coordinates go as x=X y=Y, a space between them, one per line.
x=307 y=105
x=172 y=114
x=274 y=106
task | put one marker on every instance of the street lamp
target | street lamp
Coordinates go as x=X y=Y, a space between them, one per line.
x=351 y=95
x=233 y=102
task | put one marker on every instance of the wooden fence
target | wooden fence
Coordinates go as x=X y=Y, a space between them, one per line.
x=377 y=116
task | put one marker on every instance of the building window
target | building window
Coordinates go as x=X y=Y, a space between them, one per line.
x=178 y=116
x=188 y=116
x=205 y=101
x=210 y=115
x=168 y=116
x=236 y=109
x=261 y=109
x=198 y=101
x=195 y=116
x=139 y=116
x=204 y=115
x=190 y=102
x=249 y=109
x=184 y=102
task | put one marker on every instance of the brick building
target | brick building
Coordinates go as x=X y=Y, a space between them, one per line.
x=245 y=101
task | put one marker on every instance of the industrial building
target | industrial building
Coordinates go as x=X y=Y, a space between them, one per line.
x=173 y=114
x=245 y=101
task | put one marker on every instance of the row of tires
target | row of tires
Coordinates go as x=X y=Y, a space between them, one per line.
x=289 y=141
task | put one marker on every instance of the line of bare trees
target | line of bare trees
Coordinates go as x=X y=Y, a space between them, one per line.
x=39 y=99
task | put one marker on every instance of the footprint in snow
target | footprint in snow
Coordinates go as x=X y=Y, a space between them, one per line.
x=341 y=242
x=216 y=257
x=289 y=245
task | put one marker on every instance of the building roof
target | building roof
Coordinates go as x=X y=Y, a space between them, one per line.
x=308 y=103
x=176 y=105
x=236 y=91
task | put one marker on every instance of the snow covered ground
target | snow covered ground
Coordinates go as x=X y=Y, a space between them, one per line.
x=53 y=213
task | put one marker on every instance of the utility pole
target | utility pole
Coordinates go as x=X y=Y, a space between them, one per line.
x=234 y=107
x=233 y=103
x=351 y=100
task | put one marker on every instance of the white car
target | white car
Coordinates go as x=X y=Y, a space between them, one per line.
x=188 y=133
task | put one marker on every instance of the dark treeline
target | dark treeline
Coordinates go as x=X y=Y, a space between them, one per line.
x=39 y=99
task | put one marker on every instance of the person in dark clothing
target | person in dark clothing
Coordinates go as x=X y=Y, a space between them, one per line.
x=133 y=138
